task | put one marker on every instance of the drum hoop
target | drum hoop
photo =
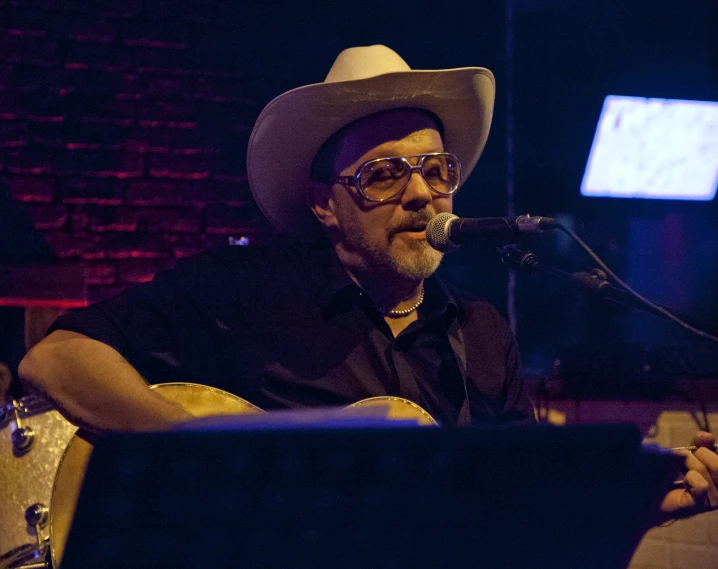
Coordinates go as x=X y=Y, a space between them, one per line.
x=23 y=408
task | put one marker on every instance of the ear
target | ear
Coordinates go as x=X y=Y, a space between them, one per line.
x=320 y=199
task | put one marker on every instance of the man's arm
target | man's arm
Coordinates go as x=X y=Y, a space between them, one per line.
x=94 y=386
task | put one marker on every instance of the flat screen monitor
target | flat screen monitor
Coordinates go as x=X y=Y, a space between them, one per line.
x=654 y=149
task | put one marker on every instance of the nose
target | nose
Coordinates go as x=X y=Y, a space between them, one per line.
x=417 y=193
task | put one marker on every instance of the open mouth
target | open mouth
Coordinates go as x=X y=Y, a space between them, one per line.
x=412 y=228
x=417 y=232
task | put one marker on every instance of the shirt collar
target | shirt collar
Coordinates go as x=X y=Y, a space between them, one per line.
x=330 y=279
x=438 y=301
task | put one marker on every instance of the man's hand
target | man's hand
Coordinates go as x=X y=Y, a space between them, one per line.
x=701 y=481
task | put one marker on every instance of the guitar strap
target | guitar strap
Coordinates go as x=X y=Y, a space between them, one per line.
x=456 y=339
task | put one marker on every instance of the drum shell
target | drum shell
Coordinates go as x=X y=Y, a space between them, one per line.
x=27 y=478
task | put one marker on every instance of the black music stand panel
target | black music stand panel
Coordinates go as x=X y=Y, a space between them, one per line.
x=368 y=499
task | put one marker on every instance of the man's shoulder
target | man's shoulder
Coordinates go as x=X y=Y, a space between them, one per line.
x=476 y=310
x=274 y=252
x=470 y=299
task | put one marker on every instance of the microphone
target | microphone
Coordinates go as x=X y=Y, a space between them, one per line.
x=447 y=232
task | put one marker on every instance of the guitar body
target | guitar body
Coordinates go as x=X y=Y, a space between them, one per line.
x=398 y=408
x=201 y=401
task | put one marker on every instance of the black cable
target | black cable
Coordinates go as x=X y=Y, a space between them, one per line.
x=629 y=290
x=694 y=397
x=702 y=425
x=704 y=410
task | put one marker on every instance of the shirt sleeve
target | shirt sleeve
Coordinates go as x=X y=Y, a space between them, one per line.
x=161 y=327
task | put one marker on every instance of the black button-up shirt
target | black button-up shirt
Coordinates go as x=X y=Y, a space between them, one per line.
x=284 y=326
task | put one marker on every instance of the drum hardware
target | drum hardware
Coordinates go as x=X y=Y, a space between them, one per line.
x=25 y=407
x=22 y=437
x=25 y=557
x=31 y=556
x=37 y=516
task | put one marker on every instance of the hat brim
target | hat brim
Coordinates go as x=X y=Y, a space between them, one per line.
x=292 y=128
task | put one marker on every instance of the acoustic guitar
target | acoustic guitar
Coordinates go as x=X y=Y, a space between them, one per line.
x=199 y=400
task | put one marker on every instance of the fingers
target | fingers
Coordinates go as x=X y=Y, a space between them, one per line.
x=701 y=481
x=697 y=493
x=689 y=500
x=674 y=502
x=682 y=503
x=702 y=475
x=705 y=463
x=704 y=439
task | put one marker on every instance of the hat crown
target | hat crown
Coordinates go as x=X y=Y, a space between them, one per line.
x=365 y=62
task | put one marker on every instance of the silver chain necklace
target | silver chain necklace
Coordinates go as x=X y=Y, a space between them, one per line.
x=406 y=311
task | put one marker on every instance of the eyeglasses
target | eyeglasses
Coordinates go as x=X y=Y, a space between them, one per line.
x=384 y=178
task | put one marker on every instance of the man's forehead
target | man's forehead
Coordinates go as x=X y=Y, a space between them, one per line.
x=394 y=124
x=420 y=142
x=386 y=128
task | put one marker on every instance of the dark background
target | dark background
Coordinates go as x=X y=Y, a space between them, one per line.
x=123 y=131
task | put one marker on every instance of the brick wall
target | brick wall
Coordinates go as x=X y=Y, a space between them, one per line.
x=123 y=129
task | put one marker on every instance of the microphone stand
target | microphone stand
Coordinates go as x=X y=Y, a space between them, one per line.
x=595 y=282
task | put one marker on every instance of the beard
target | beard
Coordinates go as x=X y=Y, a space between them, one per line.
x=418 y=263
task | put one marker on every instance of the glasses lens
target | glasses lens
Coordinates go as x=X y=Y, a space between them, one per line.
x=382 y=179
x=442 y=173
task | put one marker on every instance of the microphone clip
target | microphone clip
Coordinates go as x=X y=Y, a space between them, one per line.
x=516 y=258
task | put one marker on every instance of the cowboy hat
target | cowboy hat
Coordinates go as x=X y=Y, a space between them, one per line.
x=363 y=80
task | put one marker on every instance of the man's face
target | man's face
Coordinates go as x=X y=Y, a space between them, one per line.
x=387 y=237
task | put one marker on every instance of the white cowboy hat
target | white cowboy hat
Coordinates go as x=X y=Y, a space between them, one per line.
x=363 y=80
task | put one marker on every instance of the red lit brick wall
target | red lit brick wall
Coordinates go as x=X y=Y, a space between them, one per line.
x=124 y=130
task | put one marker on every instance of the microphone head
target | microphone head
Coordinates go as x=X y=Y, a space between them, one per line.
x=437 y=232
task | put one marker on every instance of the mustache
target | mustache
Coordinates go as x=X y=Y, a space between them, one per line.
x=415 y=220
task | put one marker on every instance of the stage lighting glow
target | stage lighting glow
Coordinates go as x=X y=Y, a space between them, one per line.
x=654 y=148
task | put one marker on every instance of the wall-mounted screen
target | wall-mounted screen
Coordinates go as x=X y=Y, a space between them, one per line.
x=655 y=149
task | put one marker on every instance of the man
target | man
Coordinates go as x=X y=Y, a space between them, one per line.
x=349 y=307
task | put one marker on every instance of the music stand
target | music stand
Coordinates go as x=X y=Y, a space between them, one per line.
x=368 y=498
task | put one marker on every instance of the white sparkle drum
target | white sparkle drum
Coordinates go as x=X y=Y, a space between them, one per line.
x=32 y=440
